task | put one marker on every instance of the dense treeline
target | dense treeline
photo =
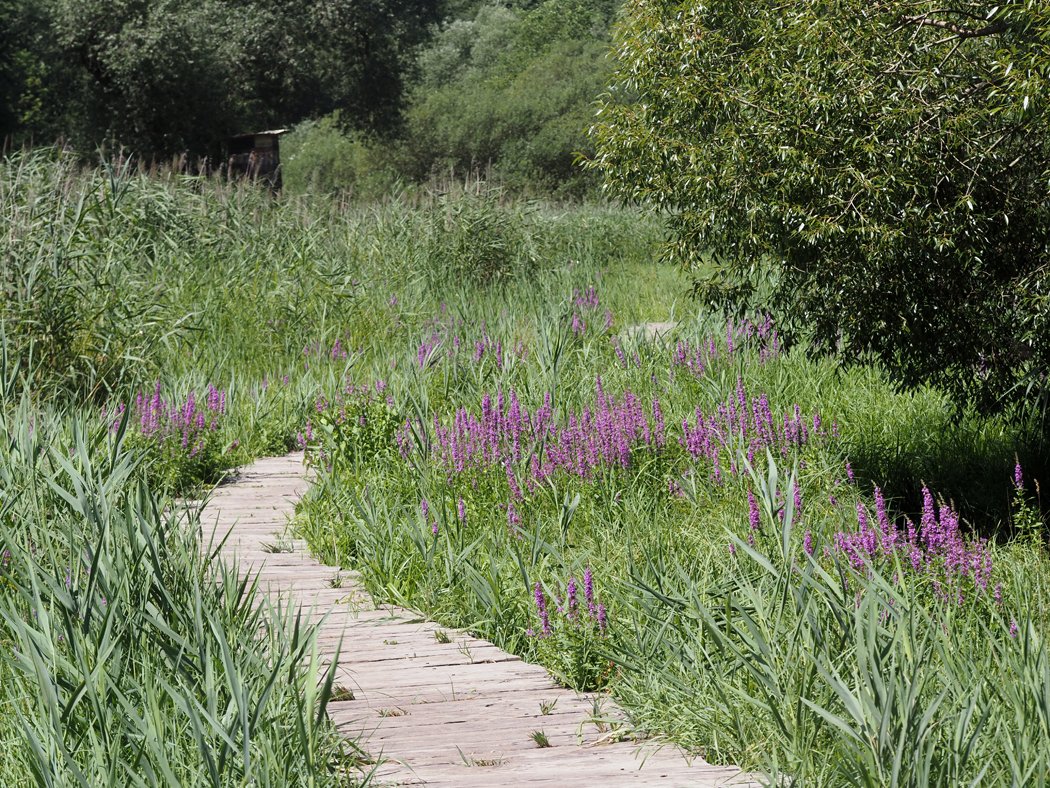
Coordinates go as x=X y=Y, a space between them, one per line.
x=388 y=88
x=504 y=90
x=162 y=78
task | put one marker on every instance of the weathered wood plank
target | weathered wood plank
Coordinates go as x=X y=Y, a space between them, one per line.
x=458 y=713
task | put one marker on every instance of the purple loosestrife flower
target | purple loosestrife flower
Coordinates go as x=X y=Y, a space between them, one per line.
x=937 y=549
x=1013 y=628
x=732 y=548
x=571 y=602
x=659 y=430
x=424 y=507
x=754 y=516
x=1018 y=477
x=807 y=543
x=601 y=616
x=887 y=531
x=461 y=510
x=512 y=482
x=578 y=325
x=541 y=609
x=928 y=522
x=849 y=471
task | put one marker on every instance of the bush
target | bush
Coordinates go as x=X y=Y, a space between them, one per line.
x=320 y=157
x=472 y=238
x=890 y=162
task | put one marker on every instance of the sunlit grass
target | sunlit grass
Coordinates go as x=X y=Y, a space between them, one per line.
x=360 y=332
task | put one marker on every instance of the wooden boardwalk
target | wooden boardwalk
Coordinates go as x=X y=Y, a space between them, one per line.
x=431 y=706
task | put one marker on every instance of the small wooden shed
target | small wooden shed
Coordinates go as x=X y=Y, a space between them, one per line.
x=256 y=156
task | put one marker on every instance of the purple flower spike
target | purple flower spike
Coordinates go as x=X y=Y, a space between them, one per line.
x=541 y=608
x=461 y=510
x=807 y=543
x=1013 y=628
x=754 y=517
x=1018 y=477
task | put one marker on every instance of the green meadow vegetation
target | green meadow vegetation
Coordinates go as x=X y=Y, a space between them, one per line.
x=768 y=556
x=712 y=384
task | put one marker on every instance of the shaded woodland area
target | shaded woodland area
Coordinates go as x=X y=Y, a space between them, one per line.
x=405 y=87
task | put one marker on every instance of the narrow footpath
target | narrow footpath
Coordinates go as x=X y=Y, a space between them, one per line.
x=434 y=706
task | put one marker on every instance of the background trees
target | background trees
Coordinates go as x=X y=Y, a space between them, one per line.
x=166 y=76
x=890 y=160
x=410 y=87
x=514 y=88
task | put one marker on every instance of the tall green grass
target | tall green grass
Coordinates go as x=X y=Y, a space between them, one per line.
x=801 y=666
x=356 y=331
x=132 y=656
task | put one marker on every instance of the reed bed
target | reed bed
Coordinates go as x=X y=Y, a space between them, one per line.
x=769 y=557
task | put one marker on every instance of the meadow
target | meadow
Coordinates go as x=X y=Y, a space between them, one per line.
x=769 y=557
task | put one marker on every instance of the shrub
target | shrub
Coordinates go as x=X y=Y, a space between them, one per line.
x=472 y=238
x=321 y=157
x=181 y=440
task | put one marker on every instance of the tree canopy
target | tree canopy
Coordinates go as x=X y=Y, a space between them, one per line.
x=885 y=163
x=166 y=76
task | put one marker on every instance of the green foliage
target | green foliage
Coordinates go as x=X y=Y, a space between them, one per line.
x=73 y=307
x=378 y=90
x=127 y=658
x=888 y=160
x=725 y=654
x=474 y=239
x=294 y=307
x=849 y=669
x=571 y=641
x=162 y=78
x=320 y=157
x=355 y=430
x=511 y=91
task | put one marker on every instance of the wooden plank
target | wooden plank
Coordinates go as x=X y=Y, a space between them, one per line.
x=433 y=713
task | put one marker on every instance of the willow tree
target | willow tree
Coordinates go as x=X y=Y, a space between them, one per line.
x=885 y=162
